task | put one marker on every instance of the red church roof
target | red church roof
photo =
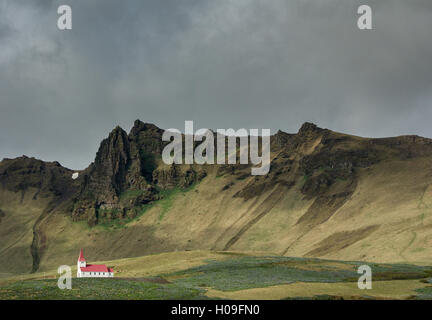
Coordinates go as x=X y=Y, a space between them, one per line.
x=93 y=267
x=96 y=268
x=81 y=256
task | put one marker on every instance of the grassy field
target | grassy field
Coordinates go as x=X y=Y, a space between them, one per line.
x=229 y=275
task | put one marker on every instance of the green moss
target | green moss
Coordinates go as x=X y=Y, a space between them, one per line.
x=248 y=272
x=99 y=289
x=242 y=273
x=117 y=223
x=82 y=223
x=130 y=194
x=168 y=197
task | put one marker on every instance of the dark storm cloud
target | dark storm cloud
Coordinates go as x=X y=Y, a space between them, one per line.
x=226 y=63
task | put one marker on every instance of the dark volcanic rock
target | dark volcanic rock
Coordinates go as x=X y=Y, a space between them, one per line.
x=128 y=171
x=111 y=164
x=146 y=146
x=128 y=163
x=105 y=178
x=48 y=178
x=175 y=175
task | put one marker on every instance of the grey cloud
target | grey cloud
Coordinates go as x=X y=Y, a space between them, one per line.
x=244 y=63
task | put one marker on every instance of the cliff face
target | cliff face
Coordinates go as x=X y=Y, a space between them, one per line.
x=130 y=164
x=320 y=171
x=48 y=178
x=105 y=179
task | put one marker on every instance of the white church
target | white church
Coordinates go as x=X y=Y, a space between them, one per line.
x=85 y=270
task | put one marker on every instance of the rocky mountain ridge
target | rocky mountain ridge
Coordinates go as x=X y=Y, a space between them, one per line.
x=128 y=176
x=133 y=162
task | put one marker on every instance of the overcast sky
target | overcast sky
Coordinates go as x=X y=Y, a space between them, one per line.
x=226 y=63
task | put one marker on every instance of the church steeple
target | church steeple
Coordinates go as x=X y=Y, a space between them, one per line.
x=81 y=260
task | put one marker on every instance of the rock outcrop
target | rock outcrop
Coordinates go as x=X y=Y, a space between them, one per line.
x=47 y=178
x=128 y=171
x=320 y=171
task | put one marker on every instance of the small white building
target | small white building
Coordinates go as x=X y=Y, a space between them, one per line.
x=85 y=270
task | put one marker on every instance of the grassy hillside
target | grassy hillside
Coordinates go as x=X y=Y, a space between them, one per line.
x=16 y=230
x=386 y=219
x=327 y=195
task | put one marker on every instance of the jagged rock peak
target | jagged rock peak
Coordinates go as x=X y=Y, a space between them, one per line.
x=116 y=144
x=117 y=131
x=280 y=139
x=281 y=135
x=107 y=178
x=309 y=127
x=142 y=126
